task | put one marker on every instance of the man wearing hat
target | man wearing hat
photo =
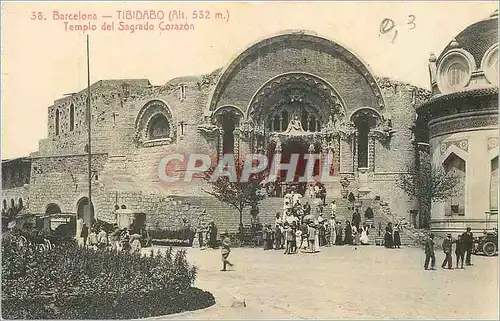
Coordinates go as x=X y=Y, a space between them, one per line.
x=468 y=242
x=447 y=244
x=429 y=253
x=226 y=243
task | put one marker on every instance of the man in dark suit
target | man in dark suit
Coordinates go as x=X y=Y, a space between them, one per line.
x=356 y=219
x=447 y=244
x=468 y=242
x=429 y=253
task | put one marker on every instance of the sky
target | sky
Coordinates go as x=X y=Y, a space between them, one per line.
x=42 y=59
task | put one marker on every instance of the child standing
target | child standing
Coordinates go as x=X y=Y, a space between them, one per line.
x=288 y=238
x=93 y=240
x=265 y=238
x=311 y=235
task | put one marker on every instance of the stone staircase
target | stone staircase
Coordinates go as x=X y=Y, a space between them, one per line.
x=117 y=175
x=409 y=234
x=227 y=218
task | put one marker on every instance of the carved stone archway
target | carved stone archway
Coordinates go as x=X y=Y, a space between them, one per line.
x=227 y=121
x=368 y=125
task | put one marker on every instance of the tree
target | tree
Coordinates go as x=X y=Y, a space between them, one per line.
x=428 y=184
x=235 y=191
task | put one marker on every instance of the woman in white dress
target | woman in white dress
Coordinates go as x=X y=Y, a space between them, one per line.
x=316 y=236
x=364 y=235
x=355 y=235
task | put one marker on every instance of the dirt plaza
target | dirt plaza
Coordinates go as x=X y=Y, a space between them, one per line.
x=344 y=283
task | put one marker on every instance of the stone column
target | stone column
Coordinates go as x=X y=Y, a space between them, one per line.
x=354 y=144
x=236 y=147
x=221 y=142
x=324 y=155
x=277 y=157
x=336 y=155
x=371 y=152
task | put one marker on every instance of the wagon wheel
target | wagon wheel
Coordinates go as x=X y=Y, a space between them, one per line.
x=489 y=248
x=48 y=244
x=22 y=241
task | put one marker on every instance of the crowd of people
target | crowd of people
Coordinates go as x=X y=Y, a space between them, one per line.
x=280 y=189
x=297 y=228
x=121 y=239
x=464 y=244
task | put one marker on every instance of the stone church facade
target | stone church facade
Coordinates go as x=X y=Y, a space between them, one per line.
x=363 y=123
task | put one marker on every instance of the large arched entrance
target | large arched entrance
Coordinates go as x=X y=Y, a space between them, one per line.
x=84 y=212
x=297 y=115
x=296 y=86
x=289 y=151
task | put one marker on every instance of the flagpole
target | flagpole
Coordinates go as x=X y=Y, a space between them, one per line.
x=89 y=119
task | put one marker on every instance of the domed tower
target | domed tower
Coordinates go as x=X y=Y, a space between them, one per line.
x=460 y=124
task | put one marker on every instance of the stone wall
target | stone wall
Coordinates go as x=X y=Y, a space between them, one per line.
x=63 y=181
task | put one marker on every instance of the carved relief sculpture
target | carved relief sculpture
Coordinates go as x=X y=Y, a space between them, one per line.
x=347 y=129
x=383 y=131
x=295 y=126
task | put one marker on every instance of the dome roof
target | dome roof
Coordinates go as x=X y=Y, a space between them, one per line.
x=476 y=38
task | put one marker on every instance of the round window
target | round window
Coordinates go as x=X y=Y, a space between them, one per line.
x=454 y=73
x=491 y=66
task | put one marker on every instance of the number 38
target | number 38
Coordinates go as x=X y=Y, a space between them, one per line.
x=36 y=15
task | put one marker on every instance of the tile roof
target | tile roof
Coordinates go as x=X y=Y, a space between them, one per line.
x=477 y=38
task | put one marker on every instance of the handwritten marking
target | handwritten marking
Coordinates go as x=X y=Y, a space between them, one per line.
x=412 y=21
x=387 y=25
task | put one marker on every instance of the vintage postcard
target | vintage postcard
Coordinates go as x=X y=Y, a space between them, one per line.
x=249 y=160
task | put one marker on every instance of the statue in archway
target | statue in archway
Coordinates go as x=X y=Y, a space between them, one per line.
x=295 y=125
x=331 y=126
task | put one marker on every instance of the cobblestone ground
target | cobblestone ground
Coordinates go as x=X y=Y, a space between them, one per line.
x=343 y=282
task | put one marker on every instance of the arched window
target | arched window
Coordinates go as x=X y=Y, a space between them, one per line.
x=12 y=203
x=228 y=122
x=159 y=127
x=494 y=184
x=20 y=204
x=454 y=165
x=72 y=117
x=456 y=74
x=4 y=204
x=363 y=131
x=154 y=125
x=57 y=122
x=364 y=120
